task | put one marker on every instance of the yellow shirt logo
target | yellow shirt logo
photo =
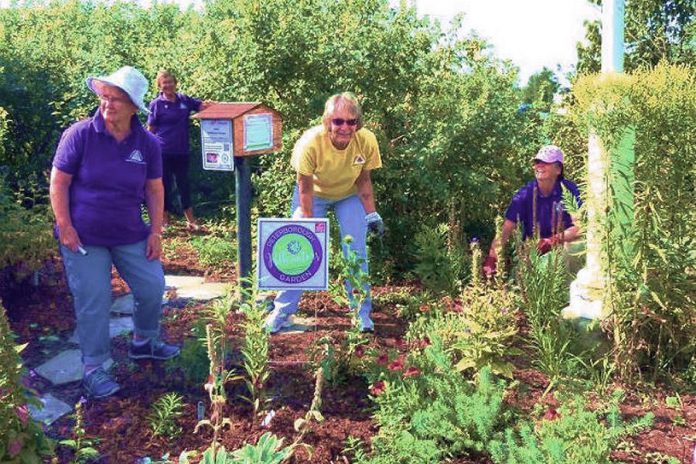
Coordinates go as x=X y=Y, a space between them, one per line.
x=359 y=159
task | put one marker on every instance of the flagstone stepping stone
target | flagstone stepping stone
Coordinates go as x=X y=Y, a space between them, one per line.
x=203 y=292
x=51 y=409
x=300 y=325
x=65 y=367
x=117 y=326
x=172 y=281
x=194 y=287
x=123 y=304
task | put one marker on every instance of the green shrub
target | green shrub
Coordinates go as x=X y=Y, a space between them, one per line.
x=25 y=235
x=573 y=434
x=425 y=403
x=21 y=438
x=439 y=263
x=215 y=252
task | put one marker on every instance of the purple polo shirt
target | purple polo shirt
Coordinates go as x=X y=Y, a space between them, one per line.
x=171 y=122
x=109 y=177
x=547 y=208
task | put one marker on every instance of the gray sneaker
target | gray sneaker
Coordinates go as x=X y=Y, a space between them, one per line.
x=153 y=349
x=99 y=384
x=277 y=320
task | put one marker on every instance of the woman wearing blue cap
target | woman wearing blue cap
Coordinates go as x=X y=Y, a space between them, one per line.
x=104 y=169
x=538 y=206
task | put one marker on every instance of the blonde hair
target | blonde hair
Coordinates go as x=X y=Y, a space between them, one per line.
x=162 y=74
x=346 y=100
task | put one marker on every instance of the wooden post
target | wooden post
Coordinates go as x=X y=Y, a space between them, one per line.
x=242 y=189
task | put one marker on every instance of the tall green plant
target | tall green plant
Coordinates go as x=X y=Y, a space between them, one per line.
x=650 y=285
x=255 y=350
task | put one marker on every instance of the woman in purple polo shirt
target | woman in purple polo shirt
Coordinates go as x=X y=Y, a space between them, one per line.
x=539 y=205
x=104 y=169
x=169 y=121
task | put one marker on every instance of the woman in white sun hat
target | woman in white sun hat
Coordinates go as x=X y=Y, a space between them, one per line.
x=104 y=169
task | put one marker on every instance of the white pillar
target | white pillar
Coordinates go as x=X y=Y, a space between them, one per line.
x=587 y=289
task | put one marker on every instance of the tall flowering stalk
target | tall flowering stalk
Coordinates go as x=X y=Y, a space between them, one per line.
x=254 y=351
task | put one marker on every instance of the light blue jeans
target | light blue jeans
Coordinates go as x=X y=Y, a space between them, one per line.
x=350 y=214
x=89 y=279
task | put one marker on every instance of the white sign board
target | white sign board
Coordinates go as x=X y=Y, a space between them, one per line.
x=216 y=144
x=293 y=254
x=258 y=132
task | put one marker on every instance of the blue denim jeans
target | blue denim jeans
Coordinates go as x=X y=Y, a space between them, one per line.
x=89 y=279
x=350 y=214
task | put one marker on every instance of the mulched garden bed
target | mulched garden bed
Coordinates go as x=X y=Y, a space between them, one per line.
x=42 y=315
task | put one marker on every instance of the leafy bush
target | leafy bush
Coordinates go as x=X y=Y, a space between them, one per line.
x=193 y=361
x=439 y=263
x=25 y=236
x=215 y=252
x=21 y=438
x=268 y=450
x=427 y=407
x=573 y=434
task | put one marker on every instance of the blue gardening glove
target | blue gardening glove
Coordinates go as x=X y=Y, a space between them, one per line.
x=375 y=224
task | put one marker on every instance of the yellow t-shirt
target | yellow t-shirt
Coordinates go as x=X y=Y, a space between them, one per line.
x=335 y=171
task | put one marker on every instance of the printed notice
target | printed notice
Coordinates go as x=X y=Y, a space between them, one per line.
x=258 y=132
x=216 y=144
x=293 y=254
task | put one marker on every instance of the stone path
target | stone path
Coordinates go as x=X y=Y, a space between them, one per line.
x=66 y=367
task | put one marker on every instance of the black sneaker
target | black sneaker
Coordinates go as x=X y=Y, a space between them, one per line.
x=153 y=349
x=99 y=384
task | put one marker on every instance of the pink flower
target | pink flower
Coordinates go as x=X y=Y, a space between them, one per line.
x=396 y=365
x=383 y=359
x=378 y=388
x=424 y=342
x=22 y=414
x=411 y=372
x=15 y=446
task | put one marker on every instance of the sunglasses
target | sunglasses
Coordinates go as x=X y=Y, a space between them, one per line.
x=341 y=121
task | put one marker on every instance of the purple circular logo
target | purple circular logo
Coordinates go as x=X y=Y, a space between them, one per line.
x=292 y=254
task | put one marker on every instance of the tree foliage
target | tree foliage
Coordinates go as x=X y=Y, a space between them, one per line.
x=444 y=112
x=655 y=30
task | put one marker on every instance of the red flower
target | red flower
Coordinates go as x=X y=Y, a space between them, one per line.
x=383 y=359
x=551 y=414
x=378 y=388
x=397 y=365
x=424 y=308
x=359 y=351
x=411 y=372
x=15 y=446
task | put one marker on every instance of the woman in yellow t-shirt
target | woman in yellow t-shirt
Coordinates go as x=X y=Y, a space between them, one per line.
x=333 y=163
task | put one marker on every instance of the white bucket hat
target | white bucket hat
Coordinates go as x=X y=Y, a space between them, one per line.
x=128 y=79
x=550 y=154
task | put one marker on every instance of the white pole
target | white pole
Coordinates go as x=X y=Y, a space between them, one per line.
x=587 y=289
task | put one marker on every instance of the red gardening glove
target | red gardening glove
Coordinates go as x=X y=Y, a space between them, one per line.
x=489 y=265
x=545 y=244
